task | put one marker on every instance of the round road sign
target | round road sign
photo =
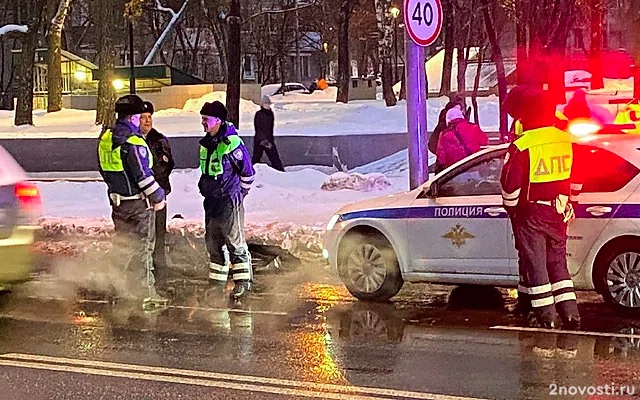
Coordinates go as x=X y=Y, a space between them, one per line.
x=423 y=19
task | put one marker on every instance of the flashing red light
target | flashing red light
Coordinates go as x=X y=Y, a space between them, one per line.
x=28 y=195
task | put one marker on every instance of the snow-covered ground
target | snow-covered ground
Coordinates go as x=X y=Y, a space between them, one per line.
x=277 y=197
x=296 y=114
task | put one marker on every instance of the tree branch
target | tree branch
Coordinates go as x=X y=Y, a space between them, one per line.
x=288 y=10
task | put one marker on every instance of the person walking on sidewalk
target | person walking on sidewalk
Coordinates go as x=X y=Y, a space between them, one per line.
x=227 y=176
x=163 y=164
x=125 y=165
x=264 y=141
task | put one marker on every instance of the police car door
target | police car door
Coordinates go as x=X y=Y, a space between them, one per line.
x=459 y=225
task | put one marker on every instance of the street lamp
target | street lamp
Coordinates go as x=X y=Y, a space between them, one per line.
x=395 y=13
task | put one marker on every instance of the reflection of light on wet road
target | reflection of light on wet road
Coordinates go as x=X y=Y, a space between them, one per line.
x=312 y=351
x=325 y=296
x=88 y=333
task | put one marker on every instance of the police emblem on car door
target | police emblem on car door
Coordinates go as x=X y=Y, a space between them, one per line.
x=459 y=225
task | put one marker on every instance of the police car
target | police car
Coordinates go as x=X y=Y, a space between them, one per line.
x=20 y=205
x=454 y=230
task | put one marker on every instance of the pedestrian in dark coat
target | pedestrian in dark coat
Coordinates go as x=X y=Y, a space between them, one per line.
x=264 y=141
x=163 y=164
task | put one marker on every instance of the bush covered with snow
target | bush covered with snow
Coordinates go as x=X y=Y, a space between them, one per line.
x=356 y=181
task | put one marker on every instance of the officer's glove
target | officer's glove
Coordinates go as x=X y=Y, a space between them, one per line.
x=159 y=206
x=569 y=213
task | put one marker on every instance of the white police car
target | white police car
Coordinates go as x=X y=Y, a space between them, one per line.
x=454 y=230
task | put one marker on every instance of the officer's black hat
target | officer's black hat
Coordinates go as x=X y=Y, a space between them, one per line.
x=148 y=107
x=129 y=105
x=215 y=109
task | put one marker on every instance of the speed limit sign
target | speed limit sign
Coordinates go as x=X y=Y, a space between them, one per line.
x=423 y=19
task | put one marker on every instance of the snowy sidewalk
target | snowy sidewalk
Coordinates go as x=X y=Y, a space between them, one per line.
x=289 y=197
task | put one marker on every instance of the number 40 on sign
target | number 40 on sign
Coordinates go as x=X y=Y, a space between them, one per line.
x=423 y=19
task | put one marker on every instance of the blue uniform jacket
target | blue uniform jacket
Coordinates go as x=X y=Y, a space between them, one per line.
x=137 y=177
x=237 y=171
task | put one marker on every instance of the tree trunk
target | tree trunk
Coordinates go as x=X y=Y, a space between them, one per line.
x=449 y=46
x=54 y=45
x=595 y=55
x=476 y=85
x=387 y=88
x=536 y=70
x=344 y=64
x=462 y=71
x=24 y=78
x=403 y=86
x=105 y=112
x=233 y=63
x=496 y=55
x=385 y=41
x=521 y=43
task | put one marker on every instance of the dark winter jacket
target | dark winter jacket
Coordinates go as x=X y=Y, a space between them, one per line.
x=163 y=162
x=133 y=175
x=227 y=172
x=263 y=124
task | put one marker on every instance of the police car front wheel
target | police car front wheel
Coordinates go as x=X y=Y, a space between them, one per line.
x=368 y=266
x=619 y=276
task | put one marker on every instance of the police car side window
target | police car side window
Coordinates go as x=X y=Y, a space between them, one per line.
x=482 y=178
x=602 y=171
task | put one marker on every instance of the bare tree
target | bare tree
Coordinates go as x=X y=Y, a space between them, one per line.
x=595 y=59
x=449 y=28
x=175 y=17
x=385 y=41
x=107 y=13
x=488 y=7
x=234 y=62
x=344 y=62
x=31 y=17
x=56 y=15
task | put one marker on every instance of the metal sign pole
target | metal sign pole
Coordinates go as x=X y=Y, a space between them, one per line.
x=416 y=113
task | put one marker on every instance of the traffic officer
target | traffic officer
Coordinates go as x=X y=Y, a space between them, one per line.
x=227 y=176
x=125 y=165
x=163 y=164
x=536 y=189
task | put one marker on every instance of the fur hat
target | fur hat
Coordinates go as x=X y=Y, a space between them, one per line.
x=148 y=107
x=215 y=109
x=129 y=105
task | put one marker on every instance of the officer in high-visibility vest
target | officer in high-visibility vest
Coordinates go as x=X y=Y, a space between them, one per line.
x=537 y=184
x=629 y=115
x=227 y=176
x=134 y=194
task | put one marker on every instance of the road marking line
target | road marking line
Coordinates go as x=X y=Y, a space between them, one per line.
x=187 y=381
x=342 y=389
x=175 y=307
x=579 y=333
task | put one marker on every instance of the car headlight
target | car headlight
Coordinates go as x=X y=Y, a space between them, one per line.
x=333 y=221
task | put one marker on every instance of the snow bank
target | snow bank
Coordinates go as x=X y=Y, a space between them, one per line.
x=277 y=197
x=195 y=105
x=356 y=181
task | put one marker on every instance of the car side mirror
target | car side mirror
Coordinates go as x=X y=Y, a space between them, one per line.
x=427 y=192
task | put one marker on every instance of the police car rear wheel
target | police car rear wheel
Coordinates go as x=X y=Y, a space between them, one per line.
x=619 y=277
x=368 y=266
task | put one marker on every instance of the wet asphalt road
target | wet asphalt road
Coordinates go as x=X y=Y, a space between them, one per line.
x=301 y=335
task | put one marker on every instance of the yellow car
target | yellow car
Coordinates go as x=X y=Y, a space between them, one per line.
x=20 y=205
